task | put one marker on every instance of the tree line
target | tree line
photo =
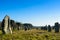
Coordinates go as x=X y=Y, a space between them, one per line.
x=28 y=26
x=18 y=25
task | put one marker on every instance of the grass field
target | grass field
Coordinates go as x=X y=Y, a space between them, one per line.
x=30 y=35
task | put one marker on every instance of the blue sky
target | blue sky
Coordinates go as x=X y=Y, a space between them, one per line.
x=36 y=12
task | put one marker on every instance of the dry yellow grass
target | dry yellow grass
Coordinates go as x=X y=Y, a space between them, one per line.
x=30 y=35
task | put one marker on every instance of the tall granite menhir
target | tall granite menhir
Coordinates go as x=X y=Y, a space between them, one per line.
x=56 y=27
x=49 y=28
x=6 y=28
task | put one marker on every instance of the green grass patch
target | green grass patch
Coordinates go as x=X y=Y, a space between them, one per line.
x=30 y=35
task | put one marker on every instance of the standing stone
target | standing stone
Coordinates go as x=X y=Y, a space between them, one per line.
x=6 y=28
x=56 y=27
x=49 y=28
